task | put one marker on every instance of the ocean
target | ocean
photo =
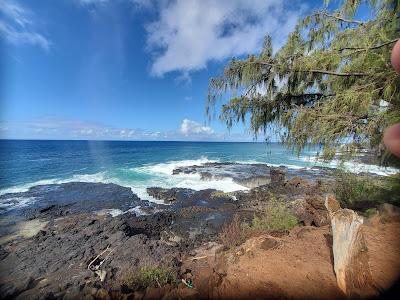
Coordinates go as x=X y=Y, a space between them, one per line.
x=140 y=164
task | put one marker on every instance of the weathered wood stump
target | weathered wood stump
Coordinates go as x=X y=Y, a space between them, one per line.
x=350 y=252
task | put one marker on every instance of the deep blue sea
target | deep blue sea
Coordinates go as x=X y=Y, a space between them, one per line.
x=138 y=165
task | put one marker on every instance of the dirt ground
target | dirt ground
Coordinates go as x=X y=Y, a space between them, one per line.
x=295 y=266
x=383 y=242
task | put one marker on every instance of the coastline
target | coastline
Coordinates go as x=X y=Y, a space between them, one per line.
x=74 y=224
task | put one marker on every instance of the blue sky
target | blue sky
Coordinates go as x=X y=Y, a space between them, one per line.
x=126 y=69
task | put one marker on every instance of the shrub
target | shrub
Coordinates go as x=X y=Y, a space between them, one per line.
x=275 y=217
x=232 y=233
x=149 y=277
x=362 y=191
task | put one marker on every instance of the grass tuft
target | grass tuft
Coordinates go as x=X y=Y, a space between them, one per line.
x=276 y=216
x=148 y=277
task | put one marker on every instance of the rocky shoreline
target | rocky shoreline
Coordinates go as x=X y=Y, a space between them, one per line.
x=75 y=248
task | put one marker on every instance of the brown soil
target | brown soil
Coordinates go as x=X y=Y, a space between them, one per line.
x=383 y=242
x=298 y=265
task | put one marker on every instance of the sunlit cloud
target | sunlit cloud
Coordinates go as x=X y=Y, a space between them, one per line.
x=188 y=34
x=190 y=128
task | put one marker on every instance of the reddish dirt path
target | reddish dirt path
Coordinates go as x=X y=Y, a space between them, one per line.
x=297 y=266
x=383 y=242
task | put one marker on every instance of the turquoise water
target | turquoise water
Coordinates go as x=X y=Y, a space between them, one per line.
x=137 y=165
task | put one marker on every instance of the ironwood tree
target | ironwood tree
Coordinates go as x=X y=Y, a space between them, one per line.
x=331 y=83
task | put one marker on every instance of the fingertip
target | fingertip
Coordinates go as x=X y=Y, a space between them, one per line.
x=391 y=139
x=395 y=57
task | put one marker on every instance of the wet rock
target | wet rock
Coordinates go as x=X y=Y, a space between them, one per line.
x=168 y=195
x=58 y=200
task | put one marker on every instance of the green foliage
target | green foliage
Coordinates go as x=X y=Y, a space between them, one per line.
x=275 y=217
x=365 y=191
x=149 y=277
x=325 y=86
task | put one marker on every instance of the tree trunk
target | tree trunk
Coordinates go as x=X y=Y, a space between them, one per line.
x=350 y=252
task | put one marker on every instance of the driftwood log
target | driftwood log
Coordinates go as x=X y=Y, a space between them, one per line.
x=350 y=253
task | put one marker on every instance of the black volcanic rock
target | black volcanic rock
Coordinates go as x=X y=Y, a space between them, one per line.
x=54 y=200
x=56 y=260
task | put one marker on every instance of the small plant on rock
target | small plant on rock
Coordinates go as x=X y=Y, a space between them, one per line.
x=275 y=217
x=148 y=277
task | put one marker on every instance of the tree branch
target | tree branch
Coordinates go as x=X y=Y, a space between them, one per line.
x=339 y=18
x=327 y=72
x=310 y=94
x=334 y=73
x=360 y=49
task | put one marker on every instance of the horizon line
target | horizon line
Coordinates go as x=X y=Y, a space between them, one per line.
x=106 y=140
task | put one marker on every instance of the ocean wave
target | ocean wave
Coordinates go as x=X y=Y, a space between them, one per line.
x=96 y=177
x=15 y=202
x=161 y=175
x=114 y=212
x=352 y=166
x=25 y=187
x=168 y=167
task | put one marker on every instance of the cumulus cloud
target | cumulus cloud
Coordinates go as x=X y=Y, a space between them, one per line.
x=52 y=127
x=17 y=25
x=190 y=128
x=189 y=33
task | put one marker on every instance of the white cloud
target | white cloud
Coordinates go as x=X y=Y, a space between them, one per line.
x=190 y=33
x=60 y=128
x=189 y=127
x=18 y=27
